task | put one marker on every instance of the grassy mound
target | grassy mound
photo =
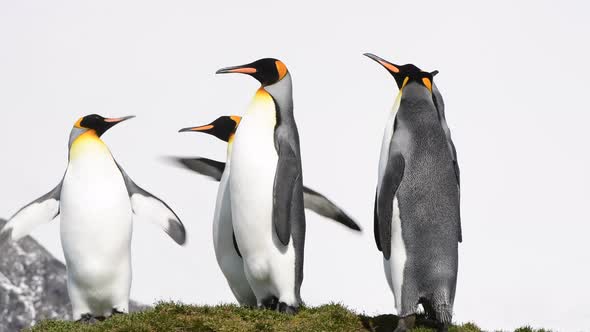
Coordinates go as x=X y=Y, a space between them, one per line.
x=179 y=317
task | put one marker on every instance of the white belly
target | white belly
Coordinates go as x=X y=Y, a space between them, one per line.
x=96 y=227
x=253 y=167
x=394 y=267
x=269 y=267
x=229 y=261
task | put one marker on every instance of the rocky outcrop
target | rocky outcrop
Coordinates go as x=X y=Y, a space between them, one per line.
x=32 y=285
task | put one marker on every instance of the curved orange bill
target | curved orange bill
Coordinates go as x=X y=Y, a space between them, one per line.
x=244 y=69
x=388 y=65
x=200 y=128
x=117 y=120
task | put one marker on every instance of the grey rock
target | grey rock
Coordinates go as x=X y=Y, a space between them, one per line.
x=33 y=286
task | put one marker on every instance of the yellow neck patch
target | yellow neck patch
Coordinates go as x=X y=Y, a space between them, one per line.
x=85 y=142
x=262 y=96
x=230 y=143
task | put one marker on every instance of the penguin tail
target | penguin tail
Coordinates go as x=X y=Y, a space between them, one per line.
x=441 y=311
x=444 y=313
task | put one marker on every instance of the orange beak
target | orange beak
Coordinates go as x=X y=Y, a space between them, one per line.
x=200 y=128
x=117 y=120
x=237 y=69
x=388 y=65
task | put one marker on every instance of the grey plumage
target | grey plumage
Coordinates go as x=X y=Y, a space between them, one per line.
x=428 y=198
x=440 y=107
x=288 y=204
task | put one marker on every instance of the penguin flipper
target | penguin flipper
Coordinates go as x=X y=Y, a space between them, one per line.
x=236 y=244
x=376 y=224
x=150 y=207
x=288 y=173
x=41 y=210
x=390 y=182
x=321 y=205
x=207 y=167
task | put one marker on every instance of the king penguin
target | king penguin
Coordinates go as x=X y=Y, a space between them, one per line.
x=96 y=201
x=266 y=187
x=226 y=251
x=417 y=220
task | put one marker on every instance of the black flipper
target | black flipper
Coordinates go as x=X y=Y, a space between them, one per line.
x=43 y=209
x=376 y=225
x=154 y=209
x=236 y=244
x=207 y=167
x=390 y=182
x=321 y=205
x=313 y=200
x=287 y=175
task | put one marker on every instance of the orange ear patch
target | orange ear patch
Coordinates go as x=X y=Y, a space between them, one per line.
x=427 y=83
x=389 y=66
x=78 y=123
x=236 y=119
x=281 y=68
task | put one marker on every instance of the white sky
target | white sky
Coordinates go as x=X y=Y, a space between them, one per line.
x=513 y=75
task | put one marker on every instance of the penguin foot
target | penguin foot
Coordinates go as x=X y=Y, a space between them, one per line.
x=406 y=323
x=442 y=327
x=287 y=309
x=270 y=303
x=116 y=311
x=89 y=319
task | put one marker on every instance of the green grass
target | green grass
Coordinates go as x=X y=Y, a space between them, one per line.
x=177 y=317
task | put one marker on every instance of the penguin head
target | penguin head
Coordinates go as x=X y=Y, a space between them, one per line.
x=98 y=123
x=223 y=127
x=267 y=71
x=95 y=124
x=406 y=74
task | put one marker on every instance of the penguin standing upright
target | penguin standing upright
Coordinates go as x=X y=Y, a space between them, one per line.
x=226 y=250
x=267 y=189
x=417 y=220
x=96 y=200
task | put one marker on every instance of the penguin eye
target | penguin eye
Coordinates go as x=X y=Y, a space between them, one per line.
x=427 y=83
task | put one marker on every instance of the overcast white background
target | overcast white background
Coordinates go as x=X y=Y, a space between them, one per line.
x=514 y=76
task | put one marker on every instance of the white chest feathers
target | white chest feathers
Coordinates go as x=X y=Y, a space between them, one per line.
x=96 y=216
x=253 y=165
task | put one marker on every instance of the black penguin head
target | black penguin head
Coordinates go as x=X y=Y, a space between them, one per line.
x=98 y=123
x=267 y=71
x=223 y=127
x=406 y=73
